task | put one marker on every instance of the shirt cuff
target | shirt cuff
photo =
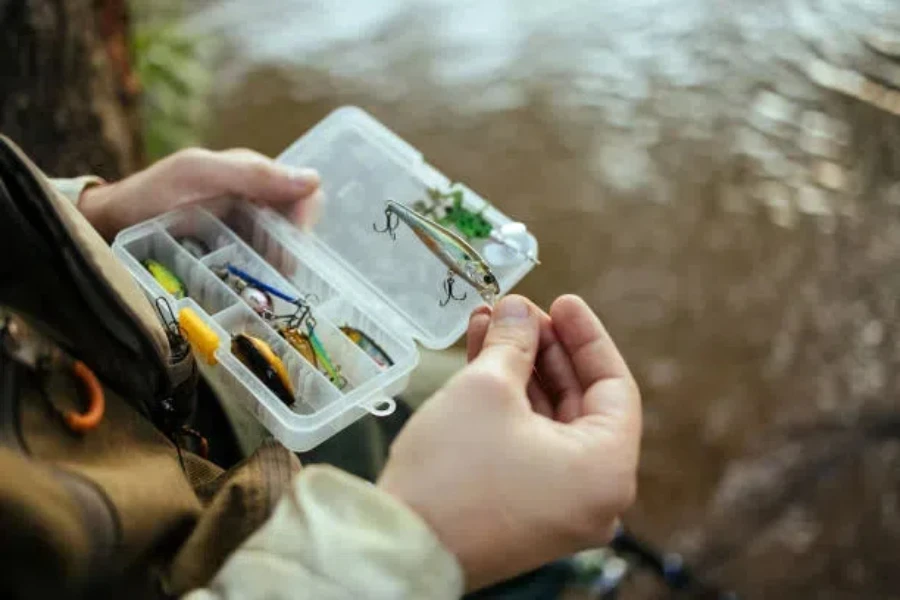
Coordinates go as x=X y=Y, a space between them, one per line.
x=345 y=538
x=72 y=188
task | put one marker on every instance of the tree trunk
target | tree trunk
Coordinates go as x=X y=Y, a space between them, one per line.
x=67 y=96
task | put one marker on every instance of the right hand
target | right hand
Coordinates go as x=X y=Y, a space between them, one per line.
x=512 y=474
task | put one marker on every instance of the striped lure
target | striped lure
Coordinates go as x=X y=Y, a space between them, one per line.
x=461 y=258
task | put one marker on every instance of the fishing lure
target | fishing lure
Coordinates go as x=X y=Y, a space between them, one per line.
x=166 y=278
x=257 y=294
x=265 y=364
x=308 y=345
x=248 y=278
x=368 y=345
x=311 y=348
x=300 y=342
x=194 y=246
x=461 y=259
x=322 y=358
x=258 y=300
x=470 y=224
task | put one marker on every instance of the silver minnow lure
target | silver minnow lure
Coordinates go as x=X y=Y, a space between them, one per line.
x=461 y=258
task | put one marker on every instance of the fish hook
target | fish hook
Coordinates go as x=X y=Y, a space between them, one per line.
x=448 y=288
x=177 y=342
x=390 y=226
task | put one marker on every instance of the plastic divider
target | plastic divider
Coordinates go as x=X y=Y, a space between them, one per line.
x=354 y=364
x=289 y=266
x=201 y=285
x=313 y=391
x=342 y=313
x=216 y=258
x=252 y=233
x=199 y=224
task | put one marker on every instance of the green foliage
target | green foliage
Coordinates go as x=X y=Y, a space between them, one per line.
x=175 y=71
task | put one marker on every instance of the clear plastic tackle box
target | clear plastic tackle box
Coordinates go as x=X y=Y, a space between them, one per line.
x=351 y=275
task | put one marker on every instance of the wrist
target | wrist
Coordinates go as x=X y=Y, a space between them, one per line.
x=94 y=203
x=451 y=538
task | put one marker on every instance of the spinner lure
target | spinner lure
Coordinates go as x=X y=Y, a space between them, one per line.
x=258 y=295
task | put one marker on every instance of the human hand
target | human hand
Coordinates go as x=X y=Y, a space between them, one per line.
x=511 y=471
x=211 y=179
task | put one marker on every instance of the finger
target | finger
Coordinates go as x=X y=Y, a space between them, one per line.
x=593 y=353
x=540 y=401
x=511 y=342
x=478 y=326
x=611 y=395
x=244 y=173
x=258 y=177
x=305 y=213
x=556 y=393
x=558 y=379
x=556 y=374
x=478 y=330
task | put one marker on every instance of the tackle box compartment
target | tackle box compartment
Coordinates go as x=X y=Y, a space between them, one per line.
x=349 y=274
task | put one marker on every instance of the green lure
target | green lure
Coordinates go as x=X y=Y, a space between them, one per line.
x=470 y=224
x=166 y=278
x=324 y=360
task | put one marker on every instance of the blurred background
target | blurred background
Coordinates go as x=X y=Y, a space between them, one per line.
x=720 y=181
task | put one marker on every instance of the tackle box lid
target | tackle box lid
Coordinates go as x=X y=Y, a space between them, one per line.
x=362 y=165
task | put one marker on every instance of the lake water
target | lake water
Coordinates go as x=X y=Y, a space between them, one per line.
x=680 y=163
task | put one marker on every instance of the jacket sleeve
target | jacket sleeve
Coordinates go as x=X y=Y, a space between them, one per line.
x=71 y=188
x=332 y=536
x=336 y=536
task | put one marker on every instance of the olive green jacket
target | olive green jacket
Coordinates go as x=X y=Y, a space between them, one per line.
x=266 y=529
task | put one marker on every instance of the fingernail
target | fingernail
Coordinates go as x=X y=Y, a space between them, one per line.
x=484 y=309
x=306 y=214
x=511 y=309
x=303 y=179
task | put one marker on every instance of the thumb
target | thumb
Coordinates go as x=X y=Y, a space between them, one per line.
x=259 y=178
x=511 y=342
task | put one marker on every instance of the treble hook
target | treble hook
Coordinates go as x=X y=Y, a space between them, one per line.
x=448 y=288
x=294 y=319
x=177 y=341
x=390 y=226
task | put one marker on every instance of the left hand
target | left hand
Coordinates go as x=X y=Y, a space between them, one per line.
x=197 y=176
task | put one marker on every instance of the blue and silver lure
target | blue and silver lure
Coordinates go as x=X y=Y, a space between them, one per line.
x=307 y=344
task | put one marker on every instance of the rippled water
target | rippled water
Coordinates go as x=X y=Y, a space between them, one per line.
x=706 y=174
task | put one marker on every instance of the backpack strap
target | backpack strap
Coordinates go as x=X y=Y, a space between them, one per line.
x=61 y=274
